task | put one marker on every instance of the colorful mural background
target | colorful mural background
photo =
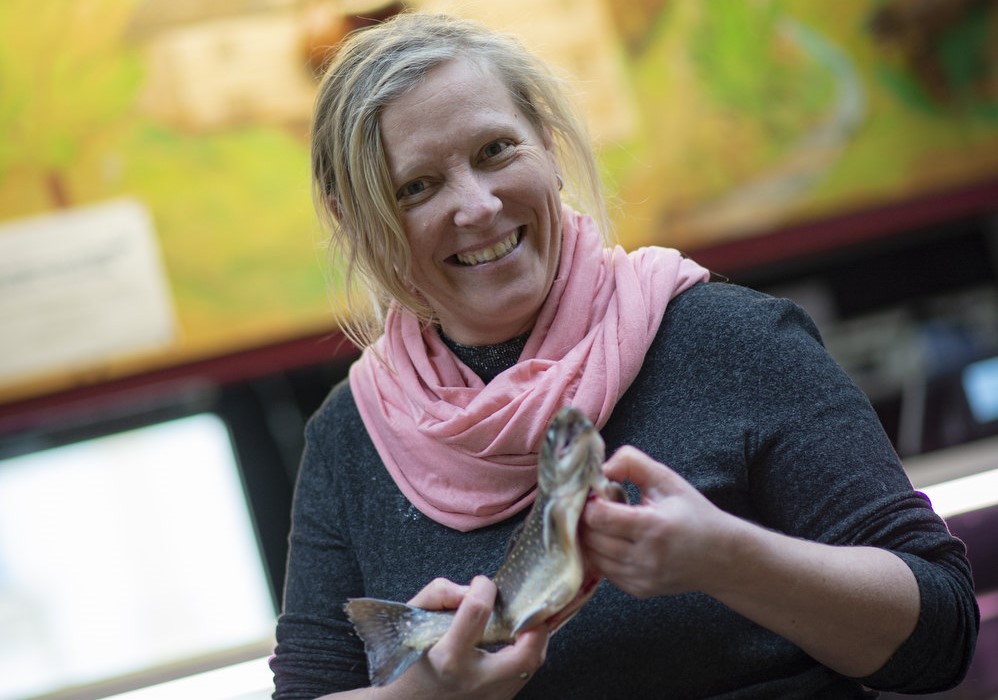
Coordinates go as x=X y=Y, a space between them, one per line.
x=714 y=120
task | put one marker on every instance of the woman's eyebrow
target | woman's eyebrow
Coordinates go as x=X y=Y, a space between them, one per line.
x=414 y=163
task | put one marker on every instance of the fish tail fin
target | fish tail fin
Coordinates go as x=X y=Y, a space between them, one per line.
x=382 y=625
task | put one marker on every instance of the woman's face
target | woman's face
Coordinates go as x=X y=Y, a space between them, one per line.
x=476 y=187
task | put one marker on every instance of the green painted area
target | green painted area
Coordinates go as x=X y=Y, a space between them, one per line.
x=751 y=114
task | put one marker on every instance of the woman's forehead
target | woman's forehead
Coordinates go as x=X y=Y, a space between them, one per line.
x=453 y=104
x=455 y=78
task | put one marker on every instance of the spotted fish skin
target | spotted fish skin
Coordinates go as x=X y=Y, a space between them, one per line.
x=543 y=578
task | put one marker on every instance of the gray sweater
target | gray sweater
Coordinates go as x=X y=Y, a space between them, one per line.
x=738 y=395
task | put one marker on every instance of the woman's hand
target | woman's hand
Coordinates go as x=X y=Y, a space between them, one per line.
x=455 y=667
x=676 y=540
x=669 y=543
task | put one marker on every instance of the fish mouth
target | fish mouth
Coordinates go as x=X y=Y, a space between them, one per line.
x=491 y=253
x=570 y=433
x=571 y=451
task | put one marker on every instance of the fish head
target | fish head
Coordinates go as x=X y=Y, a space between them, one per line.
x=571 y=455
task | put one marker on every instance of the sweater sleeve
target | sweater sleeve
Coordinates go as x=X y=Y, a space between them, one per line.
x=317 y=651
x=821 y=467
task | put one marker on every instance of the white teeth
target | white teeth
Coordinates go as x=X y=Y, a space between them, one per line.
x=499 y=250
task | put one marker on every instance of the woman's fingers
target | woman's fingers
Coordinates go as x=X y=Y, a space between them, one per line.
x=472 y=616
x=456 y=657
x=651 y=477
x=610 y=520
x=521 y=660
x=460 y=667
x=659 y=545
x=439 y=594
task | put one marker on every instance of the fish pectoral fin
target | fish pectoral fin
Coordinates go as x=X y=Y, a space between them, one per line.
x=380 y=624
x=550 y=525
x=531 y=620
x=559 y=533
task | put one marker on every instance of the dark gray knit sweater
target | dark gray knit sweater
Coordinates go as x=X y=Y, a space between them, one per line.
x=738 y=395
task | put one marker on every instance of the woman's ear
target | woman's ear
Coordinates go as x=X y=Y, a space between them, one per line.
x=548 y=141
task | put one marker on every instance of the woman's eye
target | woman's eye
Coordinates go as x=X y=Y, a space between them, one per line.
x=495 y=148
x=411 y=189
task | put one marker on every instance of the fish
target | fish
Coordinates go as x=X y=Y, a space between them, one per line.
x=543 y=579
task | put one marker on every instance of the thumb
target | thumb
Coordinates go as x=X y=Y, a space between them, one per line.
x=651 y=477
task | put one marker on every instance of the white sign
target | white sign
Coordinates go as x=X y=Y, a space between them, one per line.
x=80 y=288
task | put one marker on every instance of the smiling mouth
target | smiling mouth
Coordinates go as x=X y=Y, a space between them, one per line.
x=497 y=252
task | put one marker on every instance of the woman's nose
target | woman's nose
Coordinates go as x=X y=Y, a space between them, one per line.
x=475 y=205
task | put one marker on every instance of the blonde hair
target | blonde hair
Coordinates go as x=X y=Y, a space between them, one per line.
x=351 y=184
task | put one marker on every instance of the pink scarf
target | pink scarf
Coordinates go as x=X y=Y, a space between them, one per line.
x=465 y=453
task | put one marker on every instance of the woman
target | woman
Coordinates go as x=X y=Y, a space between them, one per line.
x=782 y=553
